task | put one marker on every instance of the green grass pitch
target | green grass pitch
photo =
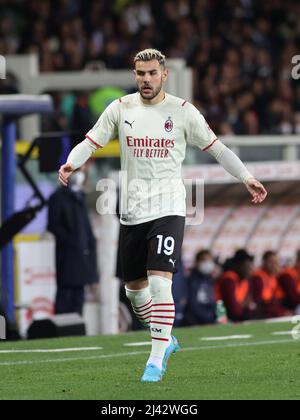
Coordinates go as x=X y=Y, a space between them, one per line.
x=263 y=365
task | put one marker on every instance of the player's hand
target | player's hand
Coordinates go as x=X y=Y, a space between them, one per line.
x=257 y=190
x=64 y=173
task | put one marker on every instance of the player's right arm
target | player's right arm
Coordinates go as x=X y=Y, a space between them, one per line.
x=104 y=130
x=78 y=156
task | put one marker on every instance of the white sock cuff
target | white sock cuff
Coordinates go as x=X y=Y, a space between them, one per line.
x=137 y=292
x=160 y=285
x=138 y=297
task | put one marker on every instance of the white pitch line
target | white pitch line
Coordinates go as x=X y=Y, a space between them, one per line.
x=139 y=344
x=51 y=350
x=282 y=333
x=139 y=353
x=228 y=337
x=284 y=319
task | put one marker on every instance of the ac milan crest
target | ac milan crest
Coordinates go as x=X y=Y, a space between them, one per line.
x=169 y=125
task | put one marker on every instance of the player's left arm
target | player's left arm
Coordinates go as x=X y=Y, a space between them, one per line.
x=198 y=133
x=232 y=164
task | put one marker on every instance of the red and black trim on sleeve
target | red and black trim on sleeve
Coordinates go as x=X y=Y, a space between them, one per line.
x=210 y=145
x=92 y=141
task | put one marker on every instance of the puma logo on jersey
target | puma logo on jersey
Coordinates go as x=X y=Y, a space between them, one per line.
x=127 y=122
x=172 y=262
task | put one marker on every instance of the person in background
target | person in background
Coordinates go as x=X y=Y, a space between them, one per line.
x=266 y=292
x=289 y=282
x=76 y=264
x=233 y=287
x=180 y=294
x=82 y=117
x=201 y=307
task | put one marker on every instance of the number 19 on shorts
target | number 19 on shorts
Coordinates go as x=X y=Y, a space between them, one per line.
x=165 y=245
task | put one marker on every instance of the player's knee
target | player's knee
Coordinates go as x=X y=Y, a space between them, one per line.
x=137 y=284
x=164 y=274
x=160 y=289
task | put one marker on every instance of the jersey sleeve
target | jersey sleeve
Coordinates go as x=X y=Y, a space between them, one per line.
x=106 y=128
x=197 y=131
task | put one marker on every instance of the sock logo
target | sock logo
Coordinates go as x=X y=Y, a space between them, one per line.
x=156 y=330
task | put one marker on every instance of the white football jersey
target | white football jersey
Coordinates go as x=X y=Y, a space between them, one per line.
x=153 y=141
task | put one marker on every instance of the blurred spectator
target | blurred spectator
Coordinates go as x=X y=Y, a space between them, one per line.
x=266 y=292
x=201 y=307
x=297 y=122
x=289 y=281
x=233 y=287
x=240 y=52
x=76 y=264
x=8 y=85
x=82 y=119
x=180 y=295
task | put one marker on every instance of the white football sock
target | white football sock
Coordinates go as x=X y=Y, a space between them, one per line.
x=141 y=303
x=162 y=318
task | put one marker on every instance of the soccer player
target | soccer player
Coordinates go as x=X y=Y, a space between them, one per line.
x=154 y=128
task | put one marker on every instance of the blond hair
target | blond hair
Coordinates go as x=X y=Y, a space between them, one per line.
x=150 y=54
